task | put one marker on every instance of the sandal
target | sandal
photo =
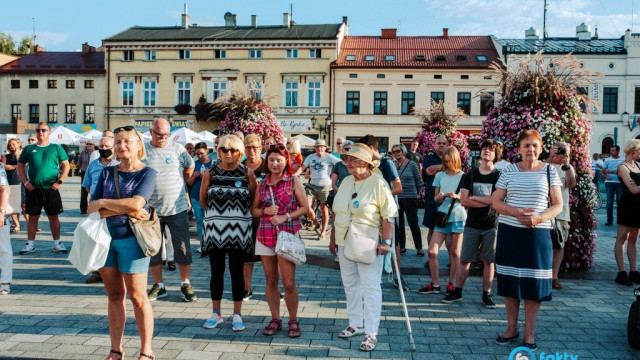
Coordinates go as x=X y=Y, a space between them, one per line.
x=402 y=251
x=15 y=229
x=294 y=329
x=368 y=343
x=152 y=357
x=350 y=332
x=274 y=326
x=117 y=353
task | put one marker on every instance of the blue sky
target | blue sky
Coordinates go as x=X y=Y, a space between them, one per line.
x=63 y=25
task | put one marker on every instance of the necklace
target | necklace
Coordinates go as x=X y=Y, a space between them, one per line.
x=399 y=165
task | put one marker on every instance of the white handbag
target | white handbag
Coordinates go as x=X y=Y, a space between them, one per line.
x=361 y=243
x=91 y=242
x=289 y=245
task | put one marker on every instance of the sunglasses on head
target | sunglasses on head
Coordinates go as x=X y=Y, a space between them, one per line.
x=277 y=146
x=225 y=150
x=123 y=128
x=42 y=130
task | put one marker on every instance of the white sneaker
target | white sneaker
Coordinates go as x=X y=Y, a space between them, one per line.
x=213 y=321
x=59 y=249
x=5 y=289
x=27 y=249
x=237 y=324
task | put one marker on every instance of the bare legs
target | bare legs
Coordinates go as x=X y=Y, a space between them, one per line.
x=271 y=265
x=531 y=309
x=454 y=255
x=630 y=234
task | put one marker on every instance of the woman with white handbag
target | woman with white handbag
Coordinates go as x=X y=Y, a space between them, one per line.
x=279 y=203
x=361 y=206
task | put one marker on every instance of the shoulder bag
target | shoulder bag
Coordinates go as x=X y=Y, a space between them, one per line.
x=288 y=245
x=146 y=231
x=441 y=219
x=361 y=240
x=556 y=234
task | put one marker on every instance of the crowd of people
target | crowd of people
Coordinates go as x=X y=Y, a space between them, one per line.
x=249 y=189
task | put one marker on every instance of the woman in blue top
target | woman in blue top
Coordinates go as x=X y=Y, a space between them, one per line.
x=125 y=270
x=446 y=185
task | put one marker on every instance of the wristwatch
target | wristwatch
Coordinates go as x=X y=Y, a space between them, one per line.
x=566 y=167
x=386 y=241
x=59 y=181
x=3 y=211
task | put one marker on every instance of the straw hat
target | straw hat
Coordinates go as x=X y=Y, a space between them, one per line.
x=360 y=152
x=320 y=142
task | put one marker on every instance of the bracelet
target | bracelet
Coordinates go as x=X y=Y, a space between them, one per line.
x=288 y=216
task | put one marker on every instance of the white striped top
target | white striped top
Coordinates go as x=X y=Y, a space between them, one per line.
x=526 y=189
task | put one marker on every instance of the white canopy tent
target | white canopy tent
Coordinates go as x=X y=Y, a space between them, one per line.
x=184 y=135
x=63 y=136
x=146 y=136
x=305 y=141
x=208 y=137
x=92 y=134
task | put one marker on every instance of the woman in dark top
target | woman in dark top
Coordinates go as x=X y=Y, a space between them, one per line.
x=411 y=181
x=125 y=271
x=14 y=148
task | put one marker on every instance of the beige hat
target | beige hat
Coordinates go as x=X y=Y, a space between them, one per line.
x=320 y=142
x=361 y=152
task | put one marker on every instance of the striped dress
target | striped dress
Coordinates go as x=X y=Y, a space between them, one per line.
x=524 y=255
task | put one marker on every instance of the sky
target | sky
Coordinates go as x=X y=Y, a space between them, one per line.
x=63 y=25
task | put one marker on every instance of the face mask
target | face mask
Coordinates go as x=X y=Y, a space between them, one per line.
x=105 y=153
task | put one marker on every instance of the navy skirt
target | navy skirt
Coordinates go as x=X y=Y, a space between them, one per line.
x=524 y=258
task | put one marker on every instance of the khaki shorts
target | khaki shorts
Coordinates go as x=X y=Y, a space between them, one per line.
x=564 y=228
x=319 y=192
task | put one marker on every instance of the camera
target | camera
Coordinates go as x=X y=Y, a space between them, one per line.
x=561 y=151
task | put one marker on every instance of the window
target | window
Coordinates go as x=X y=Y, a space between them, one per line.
x=88 y=84
x=464 y=77
x=636 y=101
x=437 y=96
x=408 y=76
x=255 y=54
x=127 y=55
x=437 y=76
x=15 y=84
x=585 y=91
x=380 y=103
x=408 y=102
x=315 y=53
x=607 y=143
x=52 y=84
x=389 y=58
x=441 y=58
x=369 y=58
x=464 y=102
x=184 y=92
x=149 y=55
x=184 y=54
x=353 y=76
x=256 y=87
x=52 y=113
x=380 y=76
x=33 y=84
x=350 y=58
x=421 y=58
x=291 y=93
x=314 y=93
x=127 y=93
x=482 y=58
x=353 y=102
x=461 y=57
x=150 y=93
x=486 y=103
x=70 y=113
x=89 y=113
x=219 y=54
x=34 y=113
x=16 y=112
x=219 y=89
x=610 y=101
x=71 y=84
x=292 y=53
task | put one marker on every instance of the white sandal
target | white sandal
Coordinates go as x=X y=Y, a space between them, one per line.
x=368 y=343
x=346 y=333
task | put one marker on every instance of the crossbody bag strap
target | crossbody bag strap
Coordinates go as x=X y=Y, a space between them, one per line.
x=453 y=201
x=471 y=182
x=117 y=181
x=554 y=223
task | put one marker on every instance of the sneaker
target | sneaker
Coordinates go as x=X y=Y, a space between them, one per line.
x=59 y=249
x=157 y=292
x=281 y=297
x=27 y=249
x=237 y=324
x=5 y=289
x=449 y=288
x=623 y=279
x=634 y=276
x=187 y=293
x=488 y=301
x=404 y=283
x=430 y=289
x=247 y=295
x=453 y=296
x=213 y=321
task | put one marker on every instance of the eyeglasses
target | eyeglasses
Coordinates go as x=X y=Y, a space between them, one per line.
x=346 y=149
x=225 y=150
x=255 y=148
x=123 y=128
x=91 y=144
x=397 y=151
x=277 y=146
x=42 y=130
x=159 y=134
x=338 y=143
x=32 y=139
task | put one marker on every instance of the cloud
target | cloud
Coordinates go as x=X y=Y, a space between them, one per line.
x=43 y=38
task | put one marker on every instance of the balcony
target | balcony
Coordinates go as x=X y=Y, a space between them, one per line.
x=145 y=111
x=302 y=111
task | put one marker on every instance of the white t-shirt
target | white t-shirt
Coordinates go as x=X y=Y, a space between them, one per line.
x=320 y=168
x=564 y=215
x=612 y=165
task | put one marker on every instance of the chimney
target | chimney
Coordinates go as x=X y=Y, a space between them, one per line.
x=345 y=19
x=87 y=49
x=595 y=34
x=531 y=34
x=445 y=33
x=286 y=19
x=254 y=21
x=388 y=33
x=627 y=38
x=229 y=19
x=583 y=32
x=185 y=18
x=37 y=48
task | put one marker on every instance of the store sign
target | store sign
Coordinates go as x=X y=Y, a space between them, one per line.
x=296 y=125
x=144 y=125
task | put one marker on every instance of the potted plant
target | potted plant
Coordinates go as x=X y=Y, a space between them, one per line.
x=182 y=109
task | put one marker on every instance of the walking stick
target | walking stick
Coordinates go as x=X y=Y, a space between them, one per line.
x=394 y=260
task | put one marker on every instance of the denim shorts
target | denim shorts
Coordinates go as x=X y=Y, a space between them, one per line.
x=452 y=227
x=126 y=255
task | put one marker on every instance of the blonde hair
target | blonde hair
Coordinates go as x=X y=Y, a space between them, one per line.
x=231 y=142
x=294 y=148
x=142 y=152
x=15 y=140
x=253 y=138
x=452 y=153
x=631 y=146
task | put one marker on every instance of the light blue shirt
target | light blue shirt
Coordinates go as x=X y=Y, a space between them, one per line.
x=93 y=173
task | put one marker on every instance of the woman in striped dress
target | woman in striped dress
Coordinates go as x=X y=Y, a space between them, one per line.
x=523 y=250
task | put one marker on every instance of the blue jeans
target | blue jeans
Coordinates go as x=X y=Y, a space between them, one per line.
x=613 y=189
x=198 y=212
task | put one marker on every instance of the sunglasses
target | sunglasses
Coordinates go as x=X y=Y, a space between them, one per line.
x=277 y=146
x=123 y=128
x=32 y=139
x=225 y=150
x=347 y=149
x=159 y=134
x=339 y=143
x=397 y=151
x=42 y=130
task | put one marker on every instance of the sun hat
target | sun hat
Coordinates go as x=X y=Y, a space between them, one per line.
x=360 y=152
x=320 y=142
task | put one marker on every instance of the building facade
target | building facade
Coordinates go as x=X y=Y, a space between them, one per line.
x=618 y=93
x=59 y=88
x=150 y=70
x=381 y=82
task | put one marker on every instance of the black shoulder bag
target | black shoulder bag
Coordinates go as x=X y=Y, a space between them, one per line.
x=556 y=234
x=441 y=219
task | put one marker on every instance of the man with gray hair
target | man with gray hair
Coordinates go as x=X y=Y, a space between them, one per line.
x=339 y=151
x=174 y=166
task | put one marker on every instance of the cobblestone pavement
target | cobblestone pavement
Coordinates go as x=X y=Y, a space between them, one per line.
x=52 y=314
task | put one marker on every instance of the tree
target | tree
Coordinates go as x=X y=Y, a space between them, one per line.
x=545 y=96
x=26 y=45
x=7 y=44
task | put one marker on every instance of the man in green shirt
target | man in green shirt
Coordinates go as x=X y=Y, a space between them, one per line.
x=48 y=168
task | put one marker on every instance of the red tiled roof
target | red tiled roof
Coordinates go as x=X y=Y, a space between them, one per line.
x=57 y=63
x=405 y=49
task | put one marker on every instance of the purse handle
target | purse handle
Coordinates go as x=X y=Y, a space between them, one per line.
x=117 y=181
x=554 y=223
x=273 y=200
